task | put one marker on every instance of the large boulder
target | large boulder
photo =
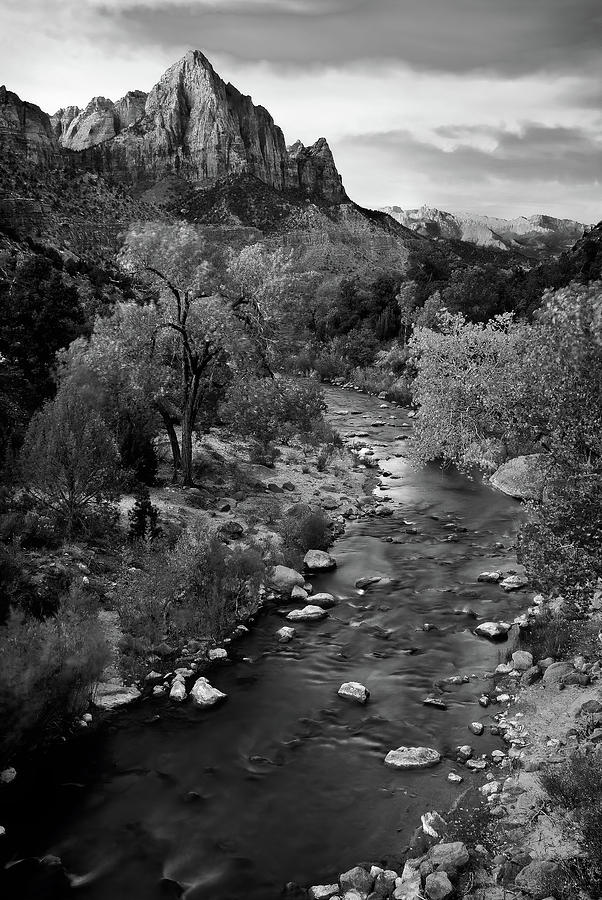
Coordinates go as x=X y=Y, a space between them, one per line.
x=555 y=673
x=408 y=887
x=285 y=634
x=412 y=758
x=353 y=690
x=307 y=614
x=204 y=694
x=356 y=879
x=523 y=477
x=326 y=601
x=448 y=857
x=113 y=694
x=319 y=561
x=438 y=886
x=323 y=891
x=536 y=878
x=283 y=580
x=522 y=660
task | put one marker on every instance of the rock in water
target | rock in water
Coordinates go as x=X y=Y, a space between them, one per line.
x=514 y=583
x=112 y=694
x=323 y=600
x=307 y=614
x=412 y=758
x=523 y=477
x=319 y=561
x=178 y=691
x=356 y=879
x=353 y=690
x=323 y=891
x=284 y=580
x=285 y=634
x=204 y=694
x=495 y=631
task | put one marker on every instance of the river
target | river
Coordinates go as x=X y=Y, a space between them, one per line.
x=285 y=781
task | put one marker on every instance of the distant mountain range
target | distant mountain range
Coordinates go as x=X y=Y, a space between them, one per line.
x=534 y=236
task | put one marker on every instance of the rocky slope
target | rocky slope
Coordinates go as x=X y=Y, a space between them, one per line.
x=535 y=236
x=25 y=128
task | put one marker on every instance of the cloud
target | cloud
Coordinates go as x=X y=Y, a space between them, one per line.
x=539 y=168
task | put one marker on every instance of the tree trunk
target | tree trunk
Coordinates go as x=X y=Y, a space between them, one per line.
x=187 y=426
x=175 y=447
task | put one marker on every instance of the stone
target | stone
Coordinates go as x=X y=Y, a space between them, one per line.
x=178 y=691
x=438 y=886
x=522 y=660
x=356 y=879
x=449 y=857
x=285 y=634
x=353 y=690
x=490 y=577
x=535 y=878
x=323 y=891
x=454 y=778
x=530 y=676
x=284 y=579
x=319 y=561
x=384 y=883
x=326 y=601
x=494 y=631
x=111 y=695
x=433 y=824
x=477 y=765
x=204 y=694
x=554 y=673
x=477 y=728
x=412 y=758
x=217 y=653
x=299 y=593
x=307 y=614
x=437 y=702
x=464 y=752
x=514 y=583
x=8 y=775
x=590 y=708
x=408 y=886
x=522 y=477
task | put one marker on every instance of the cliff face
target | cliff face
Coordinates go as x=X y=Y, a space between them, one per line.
x=24 y=127
x=195 y=126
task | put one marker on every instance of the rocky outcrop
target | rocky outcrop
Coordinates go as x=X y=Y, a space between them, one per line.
x=199 y=128
x=26 y=128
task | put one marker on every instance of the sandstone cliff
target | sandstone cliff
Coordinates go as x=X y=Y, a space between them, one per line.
x=195 y=126
x=24 y=127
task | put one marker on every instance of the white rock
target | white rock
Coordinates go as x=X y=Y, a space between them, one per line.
x=323 y=891
x=217 y=653
x=110 y=695
x=284 y=579
x=178 y=690
x=87 y=717
x=353 y=690
x=408 y=886
x=8 y=775
x=318 y=560
x=490 y=577
x=159 y=690
x=204 y=694
x=495 y=631
x=412 y=758
x=433 y=824
x=455 y=779
x=514 y=583
x=307 y=614
x=285 y=634
x=2 y=830
x=299 y=593
x=522 y=660
x=326 y=601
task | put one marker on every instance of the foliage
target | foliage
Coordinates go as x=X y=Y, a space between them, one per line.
x=69 y=463
x=270 y=410
x=49 y=668
x=144 y=517
x=304 y=528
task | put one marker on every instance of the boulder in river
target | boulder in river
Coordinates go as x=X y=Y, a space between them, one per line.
x=523 y=477
x=307 y=614
x=356 y=879
x=353 y=690
x=490 y=577
x=204 y=694
x=323 y=891
x=324 y=600
x=285 y=634
x=178 y=691
x=217 y=653
x=112 y=694
x=495 y=631
x=412 y=758
x=298 y=593
x=514 y=583
x=284 y=579
x=522 y=660
x=319 y=561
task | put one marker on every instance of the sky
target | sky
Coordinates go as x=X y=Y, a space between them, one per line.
x=486 y=106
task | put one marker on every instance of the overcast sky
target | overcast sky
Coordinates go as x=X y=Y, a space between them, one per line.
x=489 y=106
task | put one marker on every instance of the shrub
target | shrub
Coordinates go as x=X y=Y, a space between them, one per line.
x=329 y=365
x=48 y=670
x=304 y=528
x=560 y=636
x=69 y=464
x=144 y=517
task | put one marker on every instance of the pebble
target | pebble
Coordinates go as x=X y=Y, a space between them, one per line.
x=477 y=728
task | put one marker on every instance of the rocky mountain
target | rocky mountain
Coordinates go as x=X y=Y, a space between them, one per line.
x=536 y=236
x=193 y=125
x=25 y=128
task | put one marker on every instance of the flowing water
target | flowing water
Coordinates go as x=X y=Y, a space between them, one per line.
x=285 y=781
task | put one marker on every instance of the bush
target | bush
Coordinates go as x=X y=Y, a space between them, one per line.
x=303 y=529
x=329 y=365
x=144 y=517
x=69 y=464
x=560 y=636
x=48 y=671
